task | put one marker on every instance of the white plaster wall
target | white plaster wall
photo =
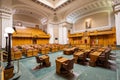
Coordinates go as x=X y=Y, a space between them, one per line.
x=27 y=24
x=117 y=22
x=65 y=37
x=26 y=18
x=6 y=18
x=0 y=32
x=56 y=32
x=5 y=23
x=97 y=20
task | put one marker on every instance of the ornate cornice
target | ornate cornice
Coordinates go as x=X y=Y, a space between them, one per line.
x=5 y=12
x=116 y=8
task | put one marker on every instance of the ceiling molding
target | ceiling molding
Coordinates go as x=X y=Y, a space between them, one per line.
x=90 y=13
x=29 y=11
x=28 y=8
x=91 y=7
x=36 y=7
x=51 y=8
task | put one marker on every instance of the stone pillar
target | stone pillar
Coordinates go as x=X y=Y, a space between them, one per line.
x=117 y=22
x=50 y=31
x=5 y=19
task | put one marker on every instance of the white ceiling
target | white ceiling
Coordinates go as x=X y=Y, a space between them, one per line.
x=53 y=3
x=68 y=10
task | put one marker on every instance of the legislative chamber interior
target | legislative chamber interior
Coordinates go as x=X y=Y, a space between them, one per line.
x=59 y=39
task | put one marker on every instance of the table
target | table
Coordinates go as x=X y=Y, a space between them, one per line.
x=101 y=49
x=59 y=63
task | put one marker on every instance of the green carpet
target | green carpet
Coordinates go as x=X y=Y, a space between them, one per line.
x=49 y=73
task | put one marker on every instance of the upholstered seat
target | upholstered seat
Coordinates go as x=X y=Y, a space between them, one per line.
x=103 y=58
x=67 y=66
x=81 y=58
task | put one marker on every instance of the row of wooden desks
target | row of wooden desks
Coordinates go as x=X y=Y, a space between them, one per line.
x=93 y=55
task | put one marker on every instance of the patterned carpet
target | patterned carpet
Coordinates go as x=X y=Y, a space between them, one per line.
x=81 y=72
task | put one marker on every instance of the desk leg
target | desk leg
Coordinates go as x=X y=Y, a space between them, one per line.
x=93 y=64
x=76 y=58
x=58 y=66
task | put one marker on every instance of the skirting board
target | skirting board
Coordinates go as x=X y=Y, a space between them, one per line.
x=118 y=46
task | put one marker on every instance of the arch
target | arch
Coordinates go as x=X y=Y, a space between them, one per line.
x=95 y=6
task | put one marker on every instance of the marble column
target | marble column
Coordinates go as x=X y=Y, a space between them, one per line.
x=51 y=32
x=5 y=19
x=117 y=22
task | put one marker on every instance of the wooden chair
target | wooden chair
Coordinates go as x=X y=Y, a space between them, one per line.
x=82 y=58
x=103 y=58
x=46 y=62
x=39 y=60
x=67 y=66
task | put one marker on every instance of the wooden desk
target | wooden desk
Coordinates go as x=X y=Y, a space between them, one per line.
x=16 y=54
x=69 y=50
x=101 y=49
x=59 y=64
x=87 y=52
x=93 y=58
x=76 y=55
x=43 y=50
x=29 y=53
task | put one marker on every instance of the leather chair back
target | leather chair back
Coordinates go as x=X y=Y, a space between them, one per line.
x=69 y=65
x=38 y=59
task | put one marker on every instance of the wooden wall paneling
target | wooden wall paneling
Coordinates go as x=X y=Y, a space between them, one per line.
x=93 y=40
x=100 y=38
x=24 y=36
x=105 y=41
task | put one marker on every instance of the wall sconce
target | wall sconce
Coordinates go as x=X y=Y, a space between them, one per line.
x=88 y=23
x=6 y=37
